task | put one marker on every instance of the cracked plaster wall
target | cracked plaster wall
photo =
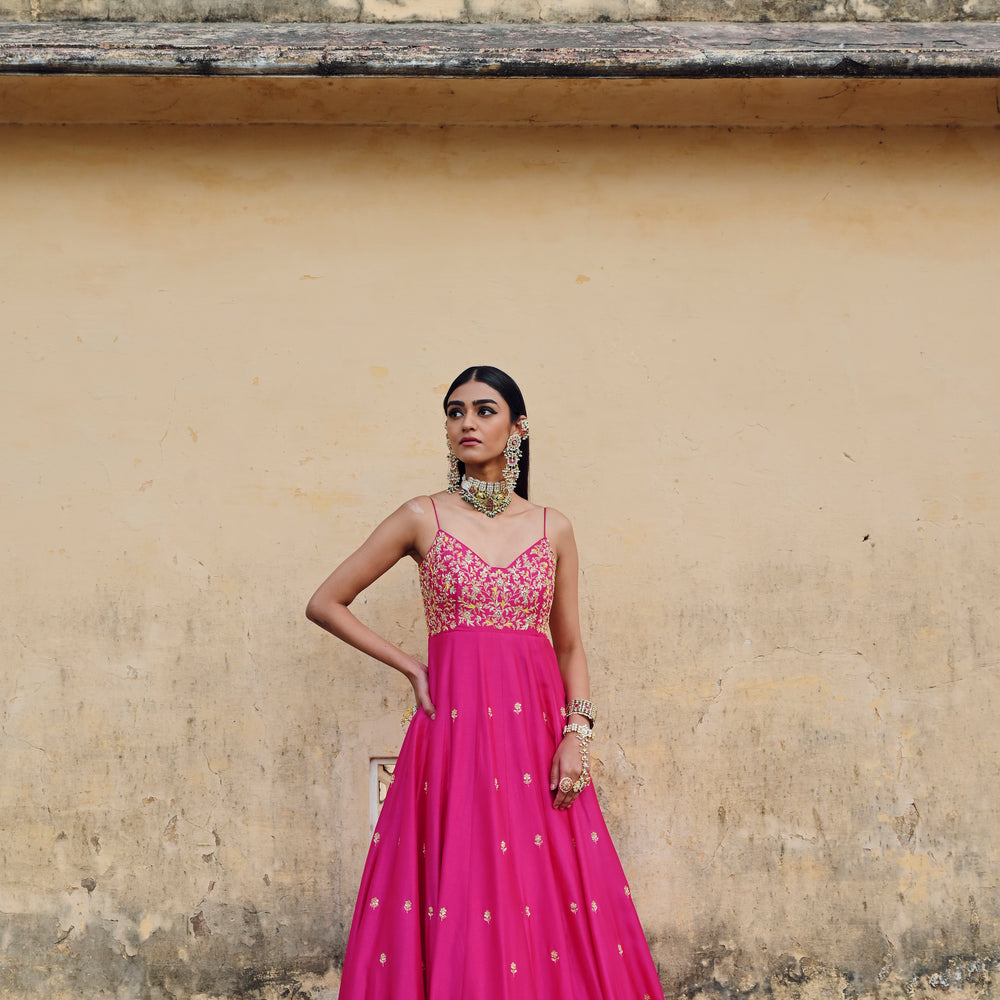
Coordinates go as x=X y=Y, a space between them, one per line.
x=761 y=371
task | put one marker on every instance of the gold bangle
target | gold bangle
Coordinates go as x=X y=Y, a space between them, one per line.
x=584 y=707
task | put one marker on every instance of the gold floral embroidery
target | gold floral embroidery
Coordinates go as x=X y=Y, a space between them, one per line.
x=513 y=968
x=503 y=846
x=487 y=916
x=593 y=905
x=628 y=891
x=527 y=778
x=460 y=589
x=383 y=958
x=593 y=836
x=442 y=913
x=527 y=911
x=376 y=838
x=554 y=956
x=538 y=840
x=407 y=906
x=517 y=708
x=454 y=714
x=573 y=908
x=621 y=950
x=374 y=903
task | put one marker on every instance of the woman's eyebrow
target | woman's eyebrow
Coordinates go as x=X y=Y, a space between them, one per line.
x=475 y=402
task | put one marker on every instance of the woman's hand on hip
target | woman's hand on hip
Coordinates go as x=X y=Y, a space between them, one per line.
x=421 y=687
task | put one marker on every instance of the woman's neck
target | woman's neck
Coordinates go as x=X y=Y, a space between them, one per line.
x=490 y=472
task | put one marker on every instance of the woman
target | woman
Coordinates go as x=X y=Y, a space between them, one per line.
x=491 y=874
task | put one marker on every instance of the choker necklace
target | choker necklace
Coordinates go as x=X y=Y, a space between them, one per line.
x=488 y=498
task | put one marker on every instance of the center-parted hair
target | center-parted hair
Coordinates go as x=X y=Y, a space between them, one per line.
x=512 y=396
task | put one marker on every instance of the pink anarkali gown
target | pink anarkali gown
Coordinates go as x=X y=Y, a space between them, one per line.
x=475 y=887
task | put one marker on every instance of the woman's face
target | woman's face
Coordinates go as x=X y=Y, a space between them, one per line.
x=478 y=422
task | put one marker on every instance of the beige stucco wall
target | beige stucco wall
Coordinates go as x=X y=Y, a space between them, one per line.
x=761 y=369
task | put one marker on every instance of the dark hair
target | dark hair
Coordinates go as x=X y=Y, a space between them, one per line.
x=511 y=394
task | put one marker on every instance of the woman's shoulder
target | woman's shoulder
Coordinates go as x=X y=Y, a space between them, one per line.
x=421 y=504
x=559 y=532
x=410 y=516
x=411 y=526
x=557 y=524
x=418 y=509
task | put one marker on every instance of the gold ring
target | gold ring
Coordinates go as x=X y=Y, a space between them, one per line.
x=566 y=785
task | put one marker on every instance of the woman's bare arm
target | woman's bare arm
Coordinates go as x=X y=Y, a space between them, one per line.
x=564 y=624
x=396 y=537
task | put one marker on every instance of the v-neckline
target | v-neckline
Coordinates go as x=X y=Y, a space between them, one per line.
x=485 y=562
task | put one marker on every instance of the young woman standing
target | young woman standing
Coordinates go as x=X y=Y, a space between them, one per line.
x=491 y=874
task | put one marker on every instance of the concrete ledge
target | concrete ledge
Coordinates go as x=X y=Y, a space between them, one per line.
x=635 y=50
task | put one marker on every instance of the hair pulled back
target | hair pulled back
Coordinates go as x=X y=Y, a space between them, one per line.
x=511 y=394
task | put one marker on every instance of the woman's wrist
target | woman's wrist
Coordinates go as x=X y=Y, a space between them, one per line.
x=582 y=707
x=411 y=668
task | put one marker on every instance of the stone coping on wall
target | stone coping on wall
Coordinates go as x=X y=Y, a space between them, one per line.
x=691 y=50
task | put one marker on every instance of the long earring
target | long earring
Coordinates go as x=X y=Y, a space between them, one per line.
x=454 y=479
x=513 y=455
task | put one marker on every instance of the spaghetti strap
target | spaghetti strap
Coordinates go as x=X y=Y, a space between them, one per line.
x=545 y=516
x=434 y=505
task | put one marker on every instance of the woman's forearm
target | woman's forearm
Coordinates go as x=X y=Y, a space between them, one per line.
x=576 y=678
x=339 y=620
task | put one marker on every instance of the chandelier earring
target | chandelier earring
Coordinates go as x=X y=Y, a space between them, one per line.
x=513 y=455
x=454 y=479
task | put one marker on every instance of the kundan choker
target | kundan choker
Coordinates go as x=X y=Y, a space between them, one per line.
x=488 y=498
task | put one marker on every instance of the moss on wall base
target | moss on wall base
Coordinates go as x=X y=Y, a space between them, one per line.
x=45 y=962
x=184 y=957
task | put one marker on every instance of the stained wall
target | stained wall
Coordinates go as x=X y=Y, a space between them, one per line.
x=495 y=11
x=761 y=368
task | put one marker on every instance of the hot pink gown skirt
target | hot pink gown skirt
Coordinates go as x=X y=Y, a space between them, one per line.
x=475 y=887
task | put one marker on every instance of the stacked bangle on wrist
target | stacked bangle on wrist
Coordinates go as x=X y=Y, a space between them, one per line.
x=584 y=707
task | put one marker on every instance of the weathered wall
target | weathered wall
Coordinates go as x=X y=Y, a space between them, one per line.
x=497 y=11
x=761 y=369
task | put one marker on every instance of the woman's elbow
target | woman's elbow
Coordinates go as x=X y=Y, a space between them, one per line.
x=316 y=611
